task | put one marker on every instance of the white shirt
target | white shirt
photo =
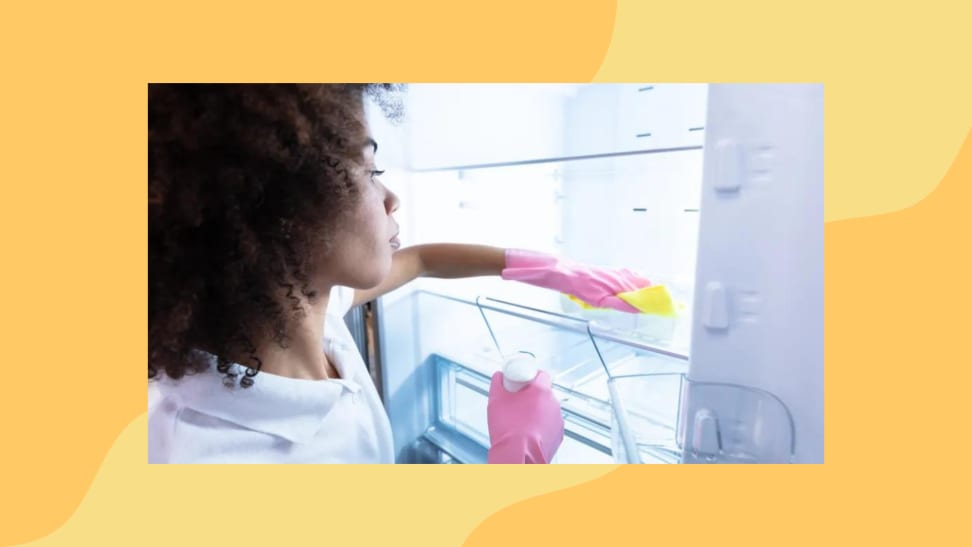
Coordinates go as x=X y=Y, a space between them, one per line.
x=277 y=420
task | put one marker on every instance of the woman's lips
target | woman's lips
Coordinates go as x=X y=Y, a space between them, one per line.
x=395 y=243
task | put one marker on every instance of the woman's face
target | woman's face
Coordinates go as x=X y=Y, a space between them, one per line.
x=361 y=255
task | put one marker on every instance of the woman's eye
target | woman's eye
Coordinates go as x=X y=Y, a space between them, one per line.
x=375 y=174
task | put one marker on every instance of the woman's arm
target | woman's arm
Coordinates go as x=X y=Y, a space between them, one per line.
x=443 y=260
x=451 y=261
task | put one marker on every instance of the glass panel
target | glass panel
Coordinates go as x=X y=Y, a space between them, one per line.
x=644 y=422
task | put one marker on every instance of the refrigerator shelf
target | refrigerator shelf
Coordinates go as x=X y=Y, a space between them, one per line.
x=577 y=354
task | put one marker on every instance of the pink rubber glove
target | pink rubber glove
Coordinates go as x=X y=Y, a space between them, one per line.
x=595 y=286
x=525 y=426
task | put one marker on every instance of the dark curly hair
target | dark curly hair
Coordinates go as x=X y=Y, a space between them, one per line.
x=246 y=184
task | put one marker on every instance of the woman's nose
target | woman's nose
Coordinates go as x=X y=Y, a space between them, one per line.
x=391 y=202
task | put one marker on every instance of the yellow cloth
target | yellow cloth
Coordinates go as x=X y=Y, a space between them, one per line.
x=654 y=300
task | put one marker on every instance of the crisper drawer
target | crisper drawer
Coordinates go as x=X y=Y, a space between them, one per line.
x=577 y=359
x=461 y=400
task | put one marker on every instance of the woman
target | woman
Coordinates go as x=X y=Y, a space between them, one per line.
x=267 y=223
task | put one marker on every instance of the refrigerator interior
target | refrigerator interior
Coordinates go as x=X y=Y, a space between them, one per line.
x=606 y=174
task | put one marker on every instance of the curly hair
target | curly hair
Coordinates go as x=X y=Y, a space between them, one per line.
x=246 y=185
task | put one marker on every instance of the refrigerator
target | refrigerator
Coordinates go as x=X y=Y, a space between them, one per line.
x=713 y=190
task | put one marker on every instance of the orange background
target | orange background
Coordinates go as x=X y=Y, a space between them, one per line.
x=72 y=226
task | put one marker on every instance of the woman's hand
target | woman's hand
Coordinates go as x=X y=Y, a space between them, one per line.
x=525 y=426
x=595 y=286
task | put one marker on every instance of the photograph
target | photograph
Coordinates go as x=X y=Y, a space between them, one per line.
x=486 y=273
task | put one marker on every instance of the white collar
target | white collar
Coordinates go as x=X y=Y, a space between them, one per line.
x=290 y=408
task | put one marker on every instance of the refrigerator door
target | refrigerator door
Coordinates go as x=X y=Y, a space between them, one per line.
x=759 y=291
